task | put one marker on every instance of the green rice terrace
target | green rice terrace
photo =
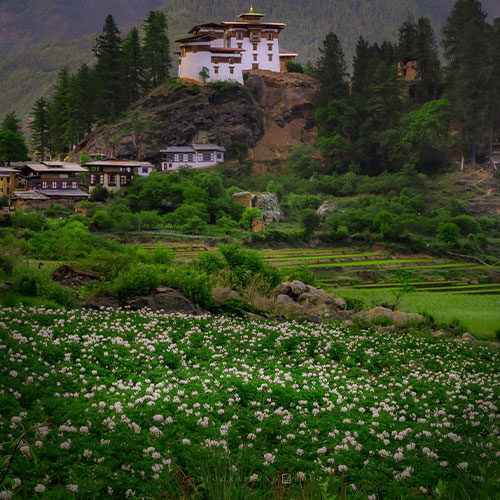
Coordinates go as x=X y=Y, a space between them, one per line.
x=122 y=404
x=445 y=288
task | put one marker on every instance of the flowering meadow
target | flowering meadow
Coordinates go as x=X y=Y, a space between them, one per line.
x=121 y=404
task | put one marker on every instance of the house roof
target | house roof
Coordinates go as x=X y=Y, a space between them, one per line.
x=288 y=54
x=8 y=170
x=55 y=167
x=215 y=26
x=29 y=195
x=119 y=163
x=193 y=148
x=60 y=193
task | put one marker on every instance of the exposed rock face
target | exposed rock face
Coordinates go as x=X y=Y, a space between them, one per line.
x=287 y=101
x=397 y=317
x=179 y=114
x=309 y=302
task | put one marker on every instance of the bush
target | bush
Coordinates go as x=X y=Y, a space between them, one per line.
x=249 y=215
x=107 y=262
x=99 y=193
x=448 y=233
x=310 y=221
x=149 y=219
x=30 y=220
x=101 y=220
x=194 y=284
x=34 y=282
x=294 y=67
x=302 y=273
x=138 y=280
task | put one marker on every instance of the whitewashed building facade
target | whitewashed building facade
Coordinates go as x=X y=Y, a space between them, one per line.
x=193 y=156
x=224 y=51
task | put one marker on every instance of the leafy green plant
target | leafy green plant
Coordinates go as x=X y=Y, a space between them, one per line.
x=139 y=280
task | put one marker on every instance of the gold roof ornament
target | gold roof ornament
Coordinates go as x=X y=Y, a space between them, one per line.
x=252 y=15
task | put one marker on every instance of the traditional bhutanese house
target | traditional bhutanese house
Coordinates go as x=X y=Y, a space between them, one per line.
x=194 y=156
x=116 y=174
x=9 y=181
x=49 y=183
x=229 y=48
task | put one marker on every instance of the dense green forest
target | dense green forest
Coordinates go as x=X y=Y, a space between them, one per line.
x=32 y=72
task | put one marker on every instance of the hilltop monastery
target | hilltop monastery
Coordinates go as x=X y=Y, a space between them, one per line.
x=224 y=51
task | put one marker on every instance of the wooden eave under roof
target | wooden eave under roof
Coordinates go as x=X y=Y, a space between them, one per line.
x=226 y=49
x=241 y=24
x=198 y=27
x=195 y=39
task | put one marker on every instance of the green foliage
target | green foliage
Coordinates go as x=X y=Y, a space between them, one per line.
x=249 y=215
x=193 y=283
x=204 y=73
x=11 y=122
x=12 y=147
x=448 y=233
x=138 y=280
x=302 y=273
x=29 y=220
x=99 y=194
x=101 y=220
x=404 y=279
x=294 y=67
x=157 y=48
x=302 y=162
x=34 y=282
x=310 y=221
x=84 y=158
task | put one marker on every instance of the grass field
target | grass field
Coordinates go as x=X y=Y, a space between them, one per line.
x=480 y=314
x=122 y=404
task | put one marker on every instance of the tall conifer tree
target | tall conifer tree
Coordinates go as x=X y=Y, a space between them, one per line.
x=134 y=66
x=465 y=44
x=40 y=133
x=331 y=70
x=11 y=122
x=108 y=52
x=157 y=48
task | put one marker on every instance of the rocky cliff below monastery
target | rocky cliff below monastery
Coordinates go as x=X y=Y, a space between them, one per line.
x=269 y=114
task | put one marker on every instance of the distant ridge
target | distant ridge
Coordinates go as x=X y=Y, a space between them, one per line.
x=37 y=28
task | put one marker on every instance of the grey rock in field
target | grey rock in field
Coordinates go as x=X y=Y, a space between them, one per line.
x=398 y=317
x=283 y=289
x=99 y=302
x=223 y=295
x=285 y=300
x=298 y=288
x=169 y=301
x=340 y=303
x=469 y=338
x=438 y=334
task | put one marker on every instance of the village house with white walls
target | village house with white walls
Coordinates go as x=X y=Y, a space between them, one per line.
x=192 y=156
x=223 y=51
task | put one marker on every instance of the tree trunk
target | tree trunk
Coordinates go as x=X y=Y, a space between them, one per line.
x=473 y=154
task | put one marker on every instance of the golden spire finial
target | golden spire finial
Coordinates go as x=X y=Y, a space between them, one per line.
x=251 y=9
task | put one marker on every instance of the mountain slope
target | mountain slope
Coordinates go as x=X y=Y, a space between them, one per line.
x=28 y=75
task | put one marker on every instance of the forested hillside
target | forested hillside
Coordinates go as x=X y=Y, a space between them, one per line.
x=29 y=74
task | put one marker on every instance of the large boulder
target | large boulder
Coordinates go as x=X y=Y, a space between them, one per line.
x=100 y=302
x=298 y=288
x=398 y=317
x=223 y=295
x=167 y=300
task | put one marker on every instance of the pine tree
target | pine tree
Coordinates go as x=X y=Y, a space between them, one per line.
x=11 y=122
x=157 y=48
x=428 y=65
x=111 y=87
x=40 y=134
x=465 y=44
x=60 y=112
x=361 y=65
x=331 y=71
x=407 y=36
x=85 y=89
x=134 y=66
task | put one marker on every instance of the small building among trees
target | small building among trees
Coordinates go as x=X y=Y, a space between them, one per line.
x=194 y=156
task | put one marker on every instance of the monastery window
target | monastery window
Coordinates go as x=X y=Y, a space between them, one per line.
x=216 y=61
x=207 y=156
x=190 y=157
x=255 y=35
x=216 y=70
x=231 y=70
x=270 y=57
x=254 y=46
x=183 y=52
x=255 y=57
x=195 y=49
x=231 y=61
x=64 y=185
x=112 y=179
x=240 y=45
x=74 y=185
x=123 y=180
x=269 y=36
x=255 y=66
x=44 y=185
x=239 y=35
x=269 y=46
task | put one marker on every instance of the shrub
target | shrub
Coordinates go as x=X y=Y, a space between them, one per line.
x=107 y=262
x=310 y=221
x=302 y=273
x=30 y=220
x=448 y=233
x=149 y=219
x=138 y=280
x=194 y=284
x=101 y=220
x=249 y=215
x=162 y=255
x=99 y=193
x=294 y=67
